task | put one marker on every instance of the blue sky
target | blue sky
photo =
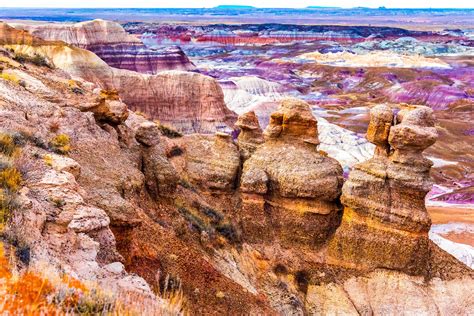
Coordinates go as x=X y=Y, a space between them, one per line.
x=259 y=3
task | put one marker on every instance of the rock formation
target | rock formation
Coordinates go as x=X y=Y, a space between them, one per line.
x=250 y=136
x=108 y=108
x=160 y=176
x=375 y=59
x=288 y=178
x=111 y=43
x=211 y=162
x=108 y=196
x=385 y=222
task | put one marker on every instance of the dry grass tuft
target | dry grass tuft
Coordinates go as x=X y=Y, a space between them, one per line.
x=7 y=145
x=10 y=178
x=39 y=293
x=10 y=77
x=60 y=144
x=168 y=131
x=54 y=126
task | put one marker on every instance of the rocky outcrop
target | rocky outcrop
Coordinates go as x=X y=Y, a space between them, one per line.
x=385 y=222
x=119 y=171
x=108 y=108
x=265 y=33
x=160 y=176
x=210 y=162
x=288 y=178
x=190 y=102
x=250 y=136
x=111 y=43
x=404 y=294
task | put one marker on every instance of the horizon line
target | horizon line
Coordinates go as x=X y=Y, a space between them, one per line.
x=252 y=7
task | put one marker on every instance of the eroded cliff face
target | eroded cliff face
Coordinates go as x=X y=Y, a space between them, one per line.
x=111 y=43
x=188 y=101
x=251 y=226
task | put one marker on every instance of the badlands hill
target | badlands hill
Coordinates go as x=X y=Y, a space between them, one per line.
x=262 y=224
x=111 y=43
x=189 y=101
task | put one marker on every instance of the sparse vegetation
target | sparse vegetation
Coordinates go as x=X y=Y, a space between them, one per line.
x=8 y=147
x=10 y=77
x=10 y=177
x=54 y=126
x=74 y=87
x=195 y=221
x=36 y=59
x=58 y=202
x=175 y=151
x=60 y=144
x=227 y=230
x=48 y=160
x=171 y=291
x=186 y=184
x=39 y=142
x=168 y=131
x=38 y=293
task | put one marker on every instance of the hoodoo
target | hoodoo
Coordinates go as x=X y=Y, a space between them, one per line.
x=288 y=178
x=385 y=222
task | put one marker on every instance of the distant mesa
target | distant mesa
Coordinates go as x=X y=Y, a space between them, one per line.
x=234 y=7
x=321 y=7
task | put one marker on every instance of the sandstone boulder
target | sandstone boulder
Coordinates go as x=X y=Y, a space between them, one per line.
x=108 y=108
x=87 y=219
x=381 y=118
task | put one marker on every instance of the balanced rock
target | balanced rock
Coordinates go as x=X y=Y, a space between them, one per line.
x=251 y=135
x=381 y=118
x=289 y=188
x=385 y=222
x=109 y=108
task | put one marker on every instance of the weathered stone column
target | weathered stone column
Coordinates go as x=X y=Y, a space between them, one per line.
x=385 y=222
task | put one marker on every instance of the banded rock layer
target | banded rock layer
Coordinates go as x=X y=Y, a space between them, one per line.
x=189 y=101
x=111 y=43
